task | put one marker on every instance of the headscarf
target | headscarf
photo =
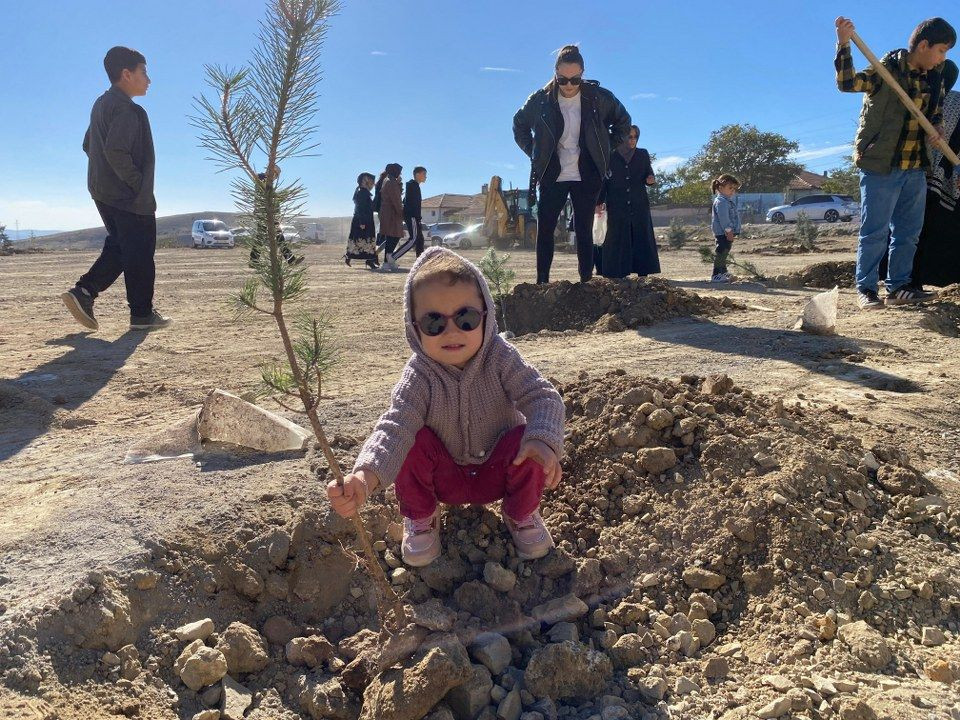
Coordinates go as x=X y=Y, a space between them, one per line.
x=627 y=152
x=941 y=179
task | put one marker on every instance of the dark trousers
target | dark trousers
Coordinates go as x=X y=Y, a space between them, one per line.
x=723 y=249
x=390 y=244
x=415 y=229
x=553 y=196
x=129 y=248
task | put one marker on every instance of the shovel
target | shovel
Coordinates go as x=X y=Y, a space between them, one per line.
x=881 y=69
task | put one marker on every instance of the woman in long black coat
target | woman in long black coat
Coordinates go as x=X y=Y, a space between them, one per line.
x=629 y=245
x=362 y=244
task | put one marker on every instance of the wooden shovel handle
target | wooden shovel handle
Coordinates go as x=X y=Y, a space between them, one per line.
x=881 y=69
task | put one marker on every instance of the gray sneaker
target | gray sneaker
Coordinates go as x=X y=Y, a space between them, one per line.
x=153 y=321
x=80 y=306
x=907 y=294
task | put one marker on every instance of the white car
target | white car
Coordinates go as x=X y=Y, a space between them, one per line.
x=816 y=207
x=291 y=234
x=211 y=234
x=434 y=234
x=467 y=238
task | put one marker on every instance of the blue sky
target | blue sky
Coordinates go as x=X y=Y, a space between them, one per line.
x=431 y=82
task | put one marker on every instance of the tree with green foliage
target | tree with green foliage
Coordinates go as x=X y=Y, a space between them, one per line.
x=500 y=278
x=806 y=232
x=844 y=180
x=262 y=116
x=759 y=160
x=678 y=233
x=6 y=244
x=692 y=194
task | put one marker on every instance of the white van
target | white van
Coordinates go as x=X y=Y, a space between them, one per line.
x=210 y=234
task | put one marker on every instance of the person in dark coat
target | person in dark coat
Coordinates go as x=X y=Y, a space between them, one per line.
x=391 y=214
x=362 y=243
x=629 y=245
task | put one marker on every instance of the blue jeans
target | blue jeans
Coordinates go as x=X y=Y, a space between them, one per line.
x=896 y=199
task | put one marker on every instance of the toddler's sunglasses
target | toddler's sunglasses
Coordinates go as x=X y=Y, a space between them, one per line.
x=434 y=323
x=561 y=80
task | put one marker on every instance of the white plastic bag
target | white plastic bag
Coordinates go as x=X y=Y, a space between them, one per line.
x=599 y=227
x=820 y=314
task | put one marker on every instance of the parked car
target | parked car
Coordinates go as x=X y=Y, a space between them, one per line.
x=211 y=234
x=470 y=236
x=240 y=233
x=291 y=234
x=816 y=207
x=438 y=231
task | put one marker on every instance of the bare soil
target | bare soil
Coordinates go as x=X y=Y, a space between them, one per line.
x=96 y=555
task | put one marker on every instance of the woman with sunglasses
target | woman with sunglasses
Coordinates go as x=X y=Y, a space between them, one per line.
x=567 y=129
x=630 y=245
x=470 y=422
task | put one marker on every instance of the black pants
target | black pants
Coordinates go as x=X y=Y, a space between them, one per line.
x=553 y=196
x=129 y=248
x=723 y=249
x=415 y=229
x=390 y=244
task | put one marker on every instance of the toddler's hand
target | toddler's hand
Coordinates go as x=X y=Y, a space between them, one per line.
x=541 y=453
x=346 y=499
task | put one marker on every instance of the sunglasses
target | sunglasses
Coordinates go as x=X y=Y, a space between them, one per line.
x=434 y=323
x=561 y=80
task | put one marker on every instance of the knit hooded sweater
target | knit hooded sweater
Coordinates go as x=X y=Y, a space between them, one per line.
x=469 y=409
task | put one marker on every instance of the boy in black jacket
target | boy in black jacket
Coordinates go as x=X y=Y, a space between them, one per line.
x=119 y=147
x=412 y=212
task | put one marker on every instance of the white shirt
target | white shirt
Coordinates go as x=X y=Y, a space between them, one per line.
x=568 y=149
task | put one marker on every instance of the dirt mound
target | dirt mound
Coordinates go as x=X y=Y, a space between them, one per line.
x=717 y=554
x=602 y=304
x=826 y=275
x=941 y=315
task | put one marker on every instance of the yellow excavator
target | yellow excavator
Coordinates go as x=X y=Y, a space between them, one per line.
x=508 y=219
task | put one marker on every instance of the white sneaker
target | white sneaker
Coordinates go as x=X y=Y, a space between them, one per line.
x=720 y=278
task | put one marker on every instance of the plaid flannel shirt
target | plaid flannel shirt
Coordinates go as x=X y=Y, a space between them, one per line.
x=911 y=153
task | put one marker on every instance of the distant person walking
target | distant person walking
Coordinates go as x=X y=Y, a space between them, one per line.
x=629 y=245
x=567 y=129
x=725 y=223
x=120 y=168
x=362 y=243
x=391 y=214
x=412 y=211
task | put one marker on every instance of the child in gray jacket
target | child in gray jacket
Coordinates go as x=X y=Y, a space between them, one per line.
x=470 y=422
x=725 y=223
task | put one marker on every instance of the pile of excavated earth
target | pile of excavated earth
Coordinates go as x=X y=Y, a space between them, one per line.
x=719 y=555
x=602 y=305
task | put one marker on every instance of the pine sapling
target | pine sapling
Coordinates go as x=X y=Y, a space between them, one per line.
x=710 y=257
x=501 y=280
x=264 y=113
x=806 y=232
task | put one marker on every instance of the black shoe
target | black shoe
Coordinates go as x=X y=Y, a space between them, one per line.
x=80 y=306
x=297 y=259
x=869 y=300
x=906 y=294
x=346 y=259
x=372 y=264
x=153 y=321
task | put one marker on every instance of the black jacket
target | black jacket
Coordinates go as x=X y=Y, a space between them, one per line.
x=538 y=125
x=119 y=148
x=362 y=215
x=411 y=201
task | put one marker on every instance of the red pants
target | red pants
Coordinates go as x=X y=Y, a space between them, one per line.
x=430 y=475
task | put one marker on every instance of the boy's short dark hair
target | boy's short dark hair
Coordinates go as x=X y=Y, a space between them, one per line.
x=121 y=58
x=364 y=175
x=418 y=169
x=935 y=31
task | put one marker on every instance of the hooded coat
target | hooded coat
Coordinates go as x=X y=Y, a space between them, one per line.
x=469 y=409
x=391 y=208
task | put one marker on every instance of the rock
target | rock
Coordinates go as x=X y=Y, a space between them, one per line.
x=685 y=642
x=112 y=659
x=279 y=630
x=778 y=682
x=499 y=577
x=310 y=651
x=327 y=700
x=870 y=461
x=236 y=699
x=628 y=613
x=866 y=644
x=939 y=671
x=353 y=646
x=444 y=573
x=182 y=658
x=717 y=668
x=933 y=636
x=854 y=709
x=204 y=667
x=685 y=686
x=567 y=669
x=705 y=631
x=492 y=650
x=628 y=651
x=478 y=599
x=660 y=419
x=145 y=580
x=555 y=564
x=587 y=577
x=246 y=580
x=510 y=707
x=775 y=708
x=633 y=504
x=211 y=696
x=207 y=715
x=244 y=648
x=409 y=691
x=652 y=687
x=564 y=631
x=719 y=384
x=702 y=579
x=899 y=481
x=563 y=609
x=470 y=697
x=657 y=460
x=199 y=630
x=433 y=615
x=856 y=499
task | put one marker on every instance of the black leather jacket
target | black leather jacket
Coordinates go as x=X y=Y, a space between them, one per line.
x=537 y=126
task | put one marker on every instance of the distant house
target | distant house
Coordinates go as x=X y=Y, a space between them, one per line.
x=804 y=183
x=441 y=208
